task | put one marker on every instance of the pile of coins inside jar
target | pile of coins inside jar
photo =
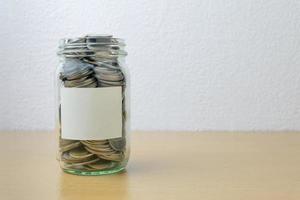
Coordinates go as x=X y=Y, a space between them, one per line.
x=90 y=62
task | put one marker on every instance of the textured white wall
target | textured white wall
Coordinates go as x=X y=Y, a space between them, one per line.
x=195 y=64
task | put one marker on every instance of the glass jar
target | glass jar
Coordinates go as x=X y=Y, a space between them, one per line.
x=92 y=105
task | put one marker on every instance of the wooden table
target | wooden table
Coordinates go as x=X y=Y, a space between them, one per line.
x=233 y=166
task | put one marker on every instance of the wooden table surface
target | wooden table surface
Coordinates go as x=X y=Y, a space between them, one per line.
x=162 y=166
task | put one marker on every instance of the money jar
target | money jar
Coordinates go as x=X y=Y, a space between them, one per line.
x=92 y=104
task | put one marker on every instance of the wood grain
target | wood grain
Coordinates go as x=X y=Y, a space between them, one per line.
x=163 y=165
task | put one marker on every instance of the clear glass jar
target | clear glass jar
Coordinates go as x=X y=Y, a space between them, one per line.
x=92 y=101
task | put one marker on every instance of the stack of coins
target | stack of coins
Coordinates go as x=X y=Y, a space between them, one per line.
x=78 y=74
x=109 y=77
x=92 y=61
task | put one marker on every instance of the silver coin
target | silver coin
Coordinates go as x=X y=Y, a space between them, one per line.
x=111 y=83
x=105 y=39
x=75 y=40
x=92 y=85
x=101 y=47
x=83 y=82
x=72 y=50
x=78 y=53
x=77 y=74
x=75 y=46
x=74 y=82
x=87 y=82
x=98 y=36
x=109 y=72
x=110 y=77
x=99 y=61
x=105 y=70
x=117 y=144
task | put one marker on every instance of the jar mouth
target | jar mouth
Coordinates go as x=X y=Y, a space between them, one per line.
x=105 y=46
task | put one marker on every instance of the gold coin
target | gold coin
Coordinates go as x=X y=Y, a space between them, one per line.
x=95 y=141
x=98 y=151
x=80 y=153
x=101 y=149
x=81 y=163
x=63 y=142
x=94 y=144
x=70 y=146
x=113 y=157
x=65 y=157
x=101 y=165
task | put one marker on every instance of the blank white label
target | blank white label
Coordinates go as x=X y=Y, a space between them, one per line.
x=91 y=113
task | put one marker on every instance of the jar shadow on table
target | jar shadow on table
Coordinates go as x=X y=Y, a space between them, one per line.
x=140 y=167
x=73 y=187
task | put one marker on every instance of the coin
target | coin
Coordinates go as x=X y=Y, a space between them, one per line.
x=106 y=39
x=82 y=163
x=84 y=83
x=95 y=141
x=117 y=144
x=75 y=40
x=68 y=159
x=117 y=76
x=64 y=142
x=105 y=70
x=69 y=146
x=76 y=73
x=100 y=150
x=101 y=165
x=92 y=85
x=111 y=83
x=80 y=153
x=101 y=47
x=113 y=157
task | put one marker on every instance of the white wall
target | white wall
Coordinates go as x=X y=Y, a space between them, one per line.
x=196 y=65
